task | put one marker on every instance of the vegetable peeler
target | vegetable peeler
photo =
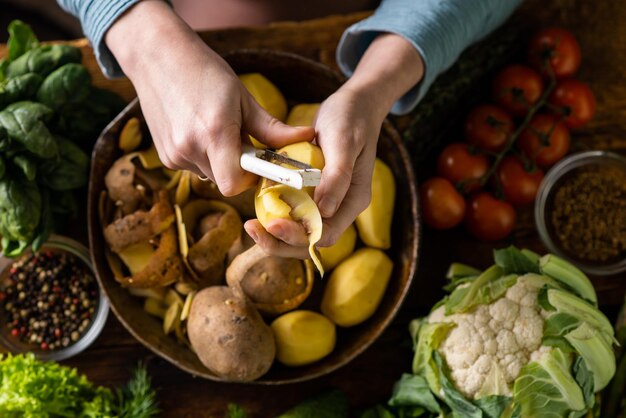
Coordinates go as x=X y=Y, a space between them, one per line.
x=265 y=163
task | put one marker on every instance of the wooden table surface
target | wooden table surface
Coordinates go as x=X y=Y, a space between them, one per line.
x=369 y=378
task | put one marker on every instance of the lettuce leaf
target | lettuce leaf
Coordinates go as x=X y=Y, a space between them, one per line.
x=513 y=261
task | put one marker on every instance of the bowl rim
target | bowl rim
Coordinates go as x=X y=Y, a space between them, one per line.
x=548 y=186
x=71 y=246
x=395 y=140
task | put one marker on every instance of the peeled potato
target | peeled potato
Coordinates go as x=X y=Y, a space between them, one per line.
x=374 y=223
x=336 y=253
x=267 y=95
x=356 y=287
x=303 y=114
x=130 y=137
x=303 y=337
x=277 y=201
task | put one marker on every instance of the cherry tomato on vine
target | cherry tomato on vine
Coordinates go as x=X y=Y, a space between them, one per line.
x=545 y=141
x=576 y=101
x=516 y=88
x=555 y=50
x=488 y=218
x=457 y=164
x=442 y=206
x=519 y=185
x=488 y=127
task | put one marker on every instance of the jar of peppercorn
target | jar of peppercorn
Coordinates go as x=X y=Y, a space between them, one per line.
x=50 y=302
x=580 y=211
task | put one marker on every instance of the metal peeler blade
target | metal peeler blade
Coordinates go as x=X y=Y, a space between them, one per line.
x=265 y=163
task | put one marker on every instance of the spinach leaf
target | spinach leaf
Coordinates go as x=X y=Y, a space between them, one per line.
x=2 y=167
x=27 y=165
x=64 y=203
x=5 y=142
x=413 y=390
x=24 y=122
x=70 y=83
x=43 y=60
x=20 y=209
x=47 y=224
x=67 y=172
x=514 y=261
x=21 y=39
x=4 y=63
x=22 y=87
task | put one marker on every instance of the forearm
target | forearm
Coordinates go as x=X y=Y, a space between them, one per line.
x=389 y=68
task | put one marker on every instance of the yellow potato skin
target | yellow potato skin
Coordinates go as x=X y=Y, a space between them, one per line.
x=356 y=287
x=336 y=253
x=302 y=114
x=374 y=223
x=303 y=337
x=267 y=95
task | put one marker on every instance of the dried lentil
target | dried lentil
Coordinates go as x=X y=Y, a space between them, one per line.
x=43 y=296
x=589 y=214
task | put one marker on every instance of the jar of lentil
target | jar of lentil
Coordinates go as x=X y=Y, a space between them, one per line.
x=580 y=211
x=50 y=302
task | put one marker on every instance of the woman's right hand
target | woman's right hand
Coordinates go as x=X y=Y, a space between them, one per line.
x=197 y=110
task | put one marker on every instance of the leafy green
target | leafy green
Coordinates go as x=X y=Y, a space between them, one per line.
x=546 y=388
x=23 y=87
x=333 y=404
x=43 y=60
x=486 y=288
x=460 y=406
x=20 y=210
x=67 y=172
x=33 y=389
x=46 y=224
x=2 y=167
x=565 y=302
x=513 y=261
x=584 y=378
x=493 y=406
x=27 y=165
x=378 y=411
x=429 y=338
x=21 y=39
x=413 y=390
x=596 y=350
x=137 y=399
x=70 y=83
x=24 y=122
x=236 y=411
x=571 y=276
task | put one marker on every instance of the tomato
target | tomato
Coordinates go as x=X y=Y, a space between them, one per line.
x=545 y=141
x=576 y=100
x=519 y=185
x=488 y=218
x=488 y=127
x=458 y=164
x=442 y=206
x=516 y=88
x=556 y=51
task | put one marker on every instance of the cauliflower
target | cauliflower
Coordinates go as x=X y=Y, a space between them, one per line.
x=499 y=338
x=524 y=338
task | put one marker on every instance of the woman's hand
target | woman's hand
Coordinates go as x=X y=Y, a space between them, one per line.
x=197 y=110
x=347 y=127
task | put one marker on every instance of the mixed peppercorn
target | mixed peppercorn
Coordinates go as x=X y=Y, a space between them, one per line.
x=49 y=299
x=589 y=214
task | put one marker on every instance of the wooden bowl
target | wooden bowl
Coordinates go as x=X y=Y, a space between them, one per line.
x=301 y=81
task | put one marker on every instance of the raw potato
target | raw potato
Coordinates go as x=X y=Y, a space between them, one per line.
x=303 y=337
x=277 y=201
x=356 y=287
x=229 y=336
x=267 y=95
x=303 y=114
x=374 y=223
x=274 y=284
x=336 y=253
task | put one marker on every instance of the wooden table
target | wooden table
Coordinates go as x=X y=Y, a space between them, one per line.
x=369 y=378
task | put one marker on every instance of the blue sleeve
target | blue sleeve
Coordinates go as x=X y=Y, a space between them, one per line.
x=438 y=29
x=96 y=17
